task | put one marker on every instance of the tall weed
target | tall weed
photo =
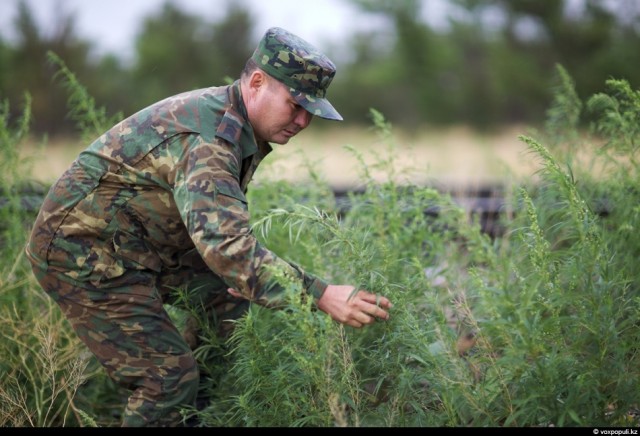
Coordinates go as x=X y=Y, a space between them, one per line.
x=41 y=367
x=561 y=325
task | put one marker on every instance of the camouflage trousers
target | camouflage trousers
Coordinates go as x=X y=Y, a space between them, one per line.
x=125 y=325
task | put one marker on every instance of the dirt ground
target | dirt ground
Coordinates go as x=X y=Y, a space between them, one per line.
x=452 y=157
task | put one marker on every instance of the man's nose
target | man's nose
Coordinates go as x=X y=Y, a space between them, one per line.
x=302 y=118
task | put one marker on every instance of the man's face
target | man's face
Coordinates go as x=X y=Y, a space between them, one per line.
x=274 y=114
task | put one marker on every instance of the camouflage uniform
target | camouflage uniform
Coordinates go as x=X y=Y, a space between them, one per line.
x=158 y=202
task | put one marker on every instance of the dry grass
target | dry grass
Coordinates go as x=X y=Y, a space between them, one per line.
x=49 y=159
x=453 y=156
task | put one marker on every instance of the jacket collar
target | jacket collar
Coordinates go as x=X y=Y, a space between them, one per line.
x=235 y=127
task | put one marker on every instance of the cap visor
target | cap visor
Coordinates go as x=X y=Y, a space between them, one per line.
x=316 y=106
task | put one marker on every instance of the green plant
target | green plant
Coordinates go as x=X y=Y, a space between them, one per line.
x=91 y=121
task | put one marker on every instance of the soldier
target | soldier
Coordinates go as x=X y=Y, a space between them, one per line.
x=158 y=202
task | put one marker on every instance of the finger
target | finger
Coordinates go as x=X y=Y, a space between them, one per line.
x=375 y=299
x=354 y=323
x=375 y=311
x=381 y=314
x=372 y=308
x=363 y=317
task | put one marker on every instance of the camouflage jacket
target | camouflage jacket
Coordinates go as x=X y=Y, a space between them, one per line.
x=167 y=180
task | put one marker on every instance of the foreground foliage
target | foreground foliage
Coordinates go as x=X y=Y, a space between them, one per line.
x=537 y=327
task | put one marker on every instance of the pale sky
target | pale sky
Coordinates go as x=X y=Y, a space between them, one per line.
x=112 y=24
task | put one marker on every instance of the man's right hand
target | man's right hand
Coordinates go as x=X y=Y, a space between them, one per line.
x=361 y=309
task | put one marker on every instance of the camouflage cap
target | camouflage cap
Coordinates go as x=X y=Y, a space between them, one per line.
x=300 y=66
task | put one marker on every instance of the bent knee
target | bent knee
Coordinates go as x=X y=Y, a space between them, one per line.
x=182 y=378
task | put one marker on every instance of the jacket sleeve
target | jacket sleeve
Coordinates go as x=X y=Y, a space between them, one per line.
x=215 y=212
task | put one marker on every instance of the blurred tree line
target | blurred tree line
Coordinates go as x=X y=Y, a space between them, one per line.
x=493 y=64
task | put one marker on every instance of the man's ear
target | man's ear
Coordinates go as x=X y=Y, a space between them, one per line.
x=257 y=80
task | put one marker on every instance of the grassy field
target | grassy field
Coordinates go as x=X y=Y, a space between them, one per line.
x=548 y=313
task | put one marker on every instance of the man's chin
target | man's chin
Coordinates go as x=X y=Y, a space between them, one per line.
x=280 y=139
